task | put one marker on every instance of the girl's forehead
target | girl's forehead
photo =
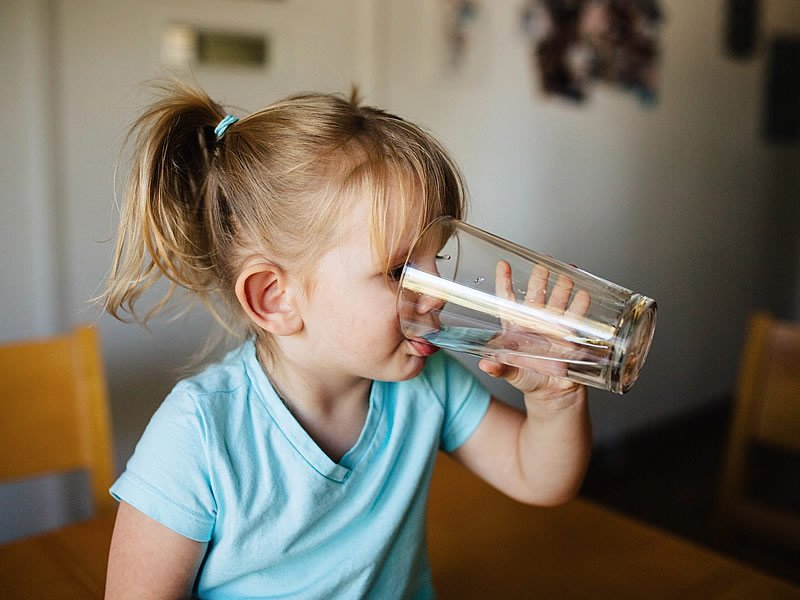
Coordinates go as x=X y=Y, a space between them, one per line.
x=391 y=202
x=403 y=222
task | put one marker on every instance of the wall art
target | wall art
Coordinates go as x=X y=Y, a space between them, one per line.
x=577 y=42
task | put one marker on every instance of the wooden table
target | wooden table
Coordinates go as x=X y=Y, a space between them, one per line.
x=66 y=564
x=482 y=545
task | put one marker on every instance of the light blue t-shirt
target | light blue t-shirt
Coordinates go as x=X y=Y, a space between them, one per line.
x=223 y=461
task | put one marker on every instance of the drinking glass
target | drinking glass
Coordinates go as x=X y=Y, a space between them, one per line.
x=467 y=290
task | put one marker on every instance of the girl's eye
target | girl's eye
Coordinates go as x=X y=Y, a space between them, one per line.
x=396 y=273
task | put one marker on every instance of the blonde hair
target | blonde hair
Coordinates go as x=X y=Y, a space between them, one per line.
x=277 y=185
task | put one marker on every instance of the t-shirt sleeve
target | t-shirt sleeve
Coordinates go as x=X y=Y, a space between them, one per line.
x=167 y=478
x=464 y=398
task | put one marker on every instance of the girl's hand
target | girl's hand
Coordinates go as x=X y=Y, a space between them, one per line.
x=540 y=379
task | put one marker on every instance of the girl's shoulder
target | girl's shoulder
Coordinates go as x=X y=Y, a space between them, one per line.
x=461 y=395
x=222 y=370
x=221 y=379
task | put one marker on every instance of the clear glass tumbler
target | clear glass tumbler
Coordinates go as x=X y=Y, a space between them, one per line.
x=467 y=290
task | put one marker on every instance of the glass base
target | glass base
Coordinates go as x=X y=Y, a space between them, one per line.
x=636 y=328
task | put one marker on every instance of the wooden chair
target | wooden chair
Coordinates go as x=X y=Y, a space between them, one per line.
x=767 y=413
x=55 y=411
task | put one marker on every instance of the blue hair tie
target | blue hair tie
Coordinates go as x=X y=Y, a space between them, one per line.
x=223 y=125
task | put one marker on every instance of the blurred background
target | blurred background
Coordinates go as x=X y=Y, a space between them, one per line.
x=682 y=184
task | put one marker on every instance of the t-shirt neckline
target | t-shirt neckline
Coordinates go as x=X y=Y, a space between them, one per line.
x=302 y=442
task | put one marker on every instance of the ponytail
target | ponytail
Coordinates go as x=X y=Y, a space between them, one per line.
x=169 y=203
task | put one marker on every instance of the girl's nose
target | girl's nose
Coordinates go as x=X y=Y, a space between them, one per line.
x=426 y=304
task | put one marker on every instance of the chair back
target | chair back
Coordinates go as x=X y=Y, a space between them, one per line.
x=766 y=412
x=776 y=384
x=55 y=410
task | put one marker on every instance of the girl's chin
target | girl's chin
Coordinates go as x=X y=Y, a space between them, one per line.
x=408 y=362
x=419 y=364
x=412 y=366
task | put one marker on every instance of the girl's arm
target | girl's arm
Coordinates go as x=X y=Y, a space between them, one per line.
x=149 y=560
x=539 y=458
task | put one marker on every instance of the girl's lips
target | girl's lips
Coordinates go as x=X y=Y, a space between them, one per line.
x=424 y=348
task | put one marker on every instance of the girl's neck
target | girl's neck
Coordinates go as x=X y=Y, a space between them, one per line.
x=314 y=390
x=332 y=410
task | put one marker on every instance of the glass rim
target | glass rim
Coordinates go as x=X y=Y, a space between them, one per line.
x=641 y=311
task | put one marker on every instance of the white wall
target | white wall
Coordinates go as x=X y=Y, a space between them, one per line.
x=27 y=293
x=669 y=201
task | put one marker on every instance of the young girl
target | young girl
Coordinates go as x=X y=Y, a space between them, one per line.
x=299 y=465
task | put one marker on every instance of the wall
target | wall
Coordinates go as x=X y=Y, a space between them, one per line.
x=672 y=201
x=27 y=293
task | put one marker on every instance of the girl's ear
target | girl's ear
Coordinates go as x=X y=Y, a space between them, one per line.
x=262 y=290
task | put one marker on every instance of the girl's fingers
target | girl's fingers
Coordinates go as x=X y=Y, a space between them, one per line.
x=580 y=304
x=502 y=284
x=490 y=367
x=559 y=297
x=537 y=286
x=527 y=372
